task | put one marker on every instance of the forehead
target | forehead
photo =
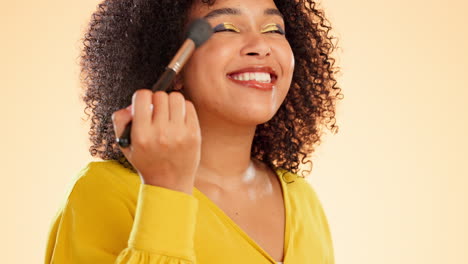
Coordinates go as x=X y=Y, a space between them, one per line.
x=233 y=7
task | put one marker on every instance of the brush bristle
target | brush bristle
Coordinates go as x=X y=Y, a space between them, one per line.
x=199 y=31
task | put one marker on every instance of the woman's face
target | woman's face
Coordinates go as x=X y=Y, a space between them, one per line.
x=243 y=72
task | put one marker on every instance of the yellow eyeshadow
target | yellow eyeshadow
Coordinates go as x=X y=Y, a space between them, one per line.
x=230 y=26
x=226 y=26
x=269 y=27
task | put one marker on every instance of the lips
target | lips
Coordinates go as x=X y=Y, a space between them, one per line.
x=252 y=77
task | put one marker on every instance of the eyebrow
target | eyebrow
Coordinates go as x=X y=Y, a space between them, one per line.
x=236 y=11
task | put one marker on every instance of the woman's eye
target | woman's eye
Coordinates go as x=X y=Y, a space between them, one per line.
x=270 y=28
x=224 y=30
x=276 y=31
x=273 y=28
x=226 y=27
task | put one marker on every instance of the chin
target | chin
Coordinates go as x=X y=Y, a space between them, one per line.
x=253 y=118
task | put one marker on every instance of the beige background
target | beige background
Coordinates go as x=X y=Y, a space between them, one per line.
x=393 y=181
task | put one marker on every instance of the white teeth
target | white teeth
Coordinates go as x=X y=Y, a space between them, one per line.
x=257 y=76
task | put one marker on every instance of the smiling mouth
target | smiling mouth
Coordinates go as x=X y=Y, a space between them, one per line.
x=261 y=81
x=260 y=77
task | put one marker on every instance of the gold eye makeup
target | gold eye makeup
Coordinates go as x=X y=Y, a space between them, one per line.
x=268 y=28
x=226 y=27
x=273 y=28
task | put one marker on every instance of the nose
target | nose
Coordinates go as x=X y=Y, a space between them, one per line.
x=257 y=46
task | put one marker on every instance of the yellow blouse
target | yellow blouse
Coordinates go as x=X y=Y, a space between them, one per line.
x=110 y=217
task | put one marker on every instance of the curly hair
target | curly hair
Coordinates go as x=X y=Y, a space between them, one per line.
x=128 y=43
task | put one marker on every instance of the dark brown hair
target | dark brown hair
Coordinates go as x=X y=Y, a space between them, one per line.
x=129 y=42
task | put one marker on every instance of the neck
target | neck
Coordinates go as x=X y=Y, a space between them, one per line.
x=225 y=154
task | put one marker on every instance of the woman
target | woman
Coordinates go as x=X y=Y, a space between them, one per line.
x=211 y=174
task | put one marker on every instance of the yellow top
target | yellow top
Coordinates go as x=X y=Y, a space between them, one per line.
x=110 y=217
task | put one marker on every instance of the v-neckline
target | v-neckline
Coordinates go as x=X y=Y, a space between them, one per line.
x=286 y=238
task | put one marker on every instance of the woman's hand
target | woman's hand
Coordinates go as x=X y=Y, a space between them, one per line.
x=165 y=136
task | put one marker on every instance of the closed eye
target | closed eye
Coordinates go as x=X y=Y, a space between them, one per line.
x=226 y=27
x=225 y=30
x=273 y=28
x=275 y=31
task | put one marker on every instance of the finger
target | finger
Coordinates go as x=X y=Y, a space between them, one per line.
x=141 y=110
x=160 y=112
x=177 y=108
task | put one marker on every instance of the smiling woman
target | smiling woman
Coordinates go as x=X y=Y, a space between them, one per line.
x=212 y=172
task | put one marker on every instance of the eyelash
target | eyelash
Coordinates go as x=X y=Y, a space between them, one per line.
x=225 y=30
x=221 y=28
x=275 y=31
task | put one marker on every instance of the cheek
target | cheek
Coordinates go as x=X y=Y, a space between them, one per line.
x=286 y=58
x=208 y=63
x=216 y=50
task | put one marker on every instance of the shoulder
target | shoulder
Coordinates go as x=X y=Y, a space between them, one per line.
x=103 y=196
x=96 y=170
x=104 y=179
x=300 y=190
x=97 y=216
